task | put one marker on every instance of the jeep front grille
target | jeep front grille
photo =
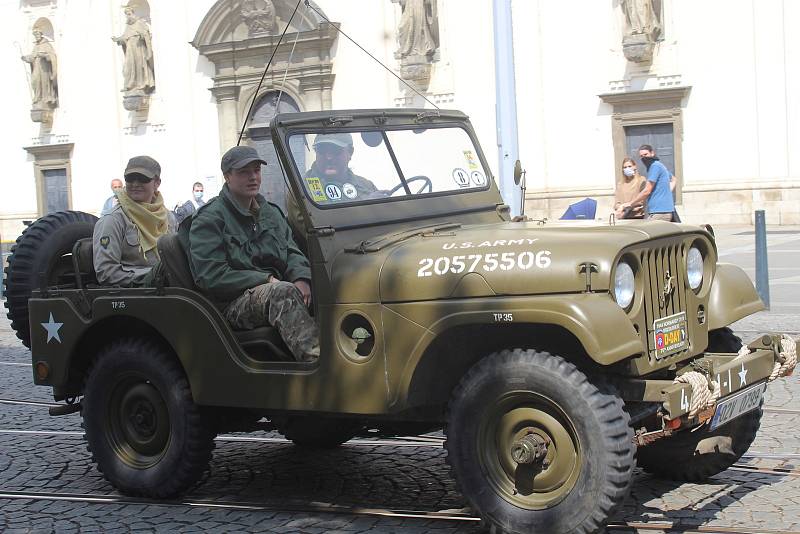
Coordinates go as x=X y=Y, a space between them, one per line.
x=660 y=265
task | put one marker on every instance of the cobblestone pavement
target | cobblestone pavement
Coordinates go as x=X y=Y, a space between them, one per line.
x=377 y=476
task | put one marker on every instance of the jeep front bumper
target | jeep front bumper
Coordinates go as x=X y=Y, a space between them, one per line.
x=730 y=373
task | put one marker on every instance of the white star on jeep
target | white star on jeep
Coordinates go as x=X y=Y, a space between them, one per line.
x=742 y=375
x=52 y=328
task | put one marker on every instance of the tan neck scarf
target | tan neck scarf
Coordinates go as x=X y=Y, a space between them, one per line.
x=150 y=219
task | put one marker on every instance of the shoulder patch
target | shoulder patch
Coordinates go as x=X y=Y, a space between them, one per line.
x=104 y=241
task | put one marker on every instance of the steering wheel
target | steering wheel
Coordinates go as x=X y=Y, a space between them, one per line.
x=427 y=185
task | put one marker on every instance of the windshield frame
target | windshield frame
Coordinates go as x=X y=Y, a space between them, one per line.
x=315 y=219
x=383 y=129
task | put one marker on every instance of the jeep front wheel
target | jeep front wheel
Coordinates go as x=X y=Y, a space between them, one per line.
x=536 y=447
x=145 y=433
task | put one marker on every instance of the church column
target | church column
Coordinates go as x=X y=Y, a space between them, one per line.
x=227 y=104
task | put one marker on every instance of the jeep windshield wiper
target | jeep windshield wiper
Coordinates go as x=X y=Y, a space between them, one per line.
x=378 y=243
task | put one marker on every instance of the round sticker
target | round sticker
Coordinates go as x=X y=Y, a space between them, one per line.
x=333 y=191
x=478 y=178
x=461 y=177
x=349 y=190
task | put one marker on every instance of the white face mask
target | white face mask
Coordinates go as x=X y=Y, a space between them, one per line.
x=198 y=195
x=628 y=171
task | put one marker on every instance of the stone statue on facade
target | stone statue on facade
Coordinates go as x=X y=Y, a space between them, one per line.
x=417 y=28
x=259 y=16
x=137 y=70
x=643 y=28
x=44 y=77
x=418 y=40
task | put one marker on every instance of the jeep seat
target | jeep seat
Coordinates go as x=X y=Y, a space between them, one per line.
x=175 y=261
x=262 y=343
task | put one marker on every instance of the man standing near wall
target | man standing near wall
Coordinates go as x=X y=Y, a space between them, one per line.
x=111 y=202
x=657 y=190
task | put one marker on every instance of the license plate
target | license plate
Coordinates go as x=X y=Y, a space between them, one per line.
x=670 y=335
x=737 y=404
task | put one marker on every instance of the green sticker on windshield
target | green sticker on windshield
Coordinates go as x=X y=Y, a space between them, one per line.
x=315 y=188
x=471 y=161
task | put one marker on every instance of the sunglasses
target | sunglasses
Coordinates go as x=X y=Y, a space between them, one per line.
x=137 y=178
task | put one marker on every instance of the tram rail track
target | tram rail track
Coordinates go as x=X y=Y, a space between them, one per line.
x=692 y=528
x=461 y=516
x=435 y=442
x=784 y=468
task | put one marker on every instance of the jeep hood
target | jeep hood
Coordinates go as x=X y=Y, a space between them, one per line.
x=507 y=259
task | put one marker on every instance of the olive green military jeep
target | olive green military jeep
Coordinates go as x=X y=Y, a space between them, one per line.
x=556 y=356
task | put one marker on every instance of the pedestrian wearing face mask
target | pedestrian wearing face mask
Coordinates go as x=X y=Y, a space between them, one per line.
x=124 y=241
x=629 y=185
x=657 y=192
x=188 y=208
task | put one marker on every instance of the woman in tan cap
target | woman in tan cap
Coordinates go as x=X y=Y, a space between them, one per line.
x=124 y=240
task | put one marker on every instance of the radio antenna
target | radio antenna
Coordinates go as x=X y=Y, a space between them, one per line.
x=264 y=74
x=308 y=5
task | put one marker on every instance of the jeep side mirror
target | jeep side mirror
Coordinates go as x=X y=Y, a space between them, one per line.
x=518 y=172
x=519 y=179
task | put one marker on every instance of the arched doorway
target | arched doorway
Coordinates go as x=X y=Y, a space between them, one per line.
x=273 y=184
x=239 y=51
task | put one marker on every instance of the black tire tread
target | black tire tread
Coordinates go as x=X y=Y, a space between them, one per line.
x=606 y=404
x=26 y=253
x=197 y=451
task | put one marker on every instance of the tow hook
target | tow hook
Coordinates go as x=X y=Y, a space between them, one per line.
x=65 y=409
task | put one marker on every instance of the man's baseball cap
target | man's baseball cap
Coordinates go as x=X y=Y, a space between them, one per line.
x=239 y=156
x=144 y=165
x=342 y=139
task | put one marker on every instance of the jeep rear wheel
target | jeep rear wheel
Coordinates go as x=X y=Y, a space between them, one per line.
x=536 y=447
x=694 y=456
x=145 y=433
x=44 y=248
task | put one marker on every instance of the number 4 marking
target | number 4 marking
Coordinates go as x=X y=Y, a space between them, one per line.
x=684 y=401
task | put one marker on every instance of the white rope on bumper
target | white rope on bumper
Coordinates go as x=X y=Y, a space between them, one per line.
x=705 y=392
x=787 y=359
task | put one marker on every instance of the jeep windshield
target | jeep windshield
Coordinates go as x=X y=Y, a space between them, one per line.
x=383 y=165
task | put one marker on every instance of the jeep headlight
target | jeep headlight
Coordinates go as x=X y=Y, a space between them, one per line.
x=624 y=284
x=694 y=268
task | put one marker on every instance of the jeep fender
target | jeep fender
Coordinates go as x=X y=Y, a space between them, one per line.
x=597 y=322
x=732 y=296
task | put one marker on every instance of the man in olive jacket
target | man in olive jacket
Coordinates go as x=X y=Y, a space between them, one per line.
x=243 y=256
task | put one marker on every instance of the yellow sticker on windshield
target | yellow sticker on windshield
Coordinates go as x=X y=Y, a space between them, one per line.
x=315 y=188
x=471 y=161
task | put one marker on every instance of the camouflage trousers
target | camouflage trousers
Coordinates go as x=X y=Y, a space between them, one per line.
x=279 y=304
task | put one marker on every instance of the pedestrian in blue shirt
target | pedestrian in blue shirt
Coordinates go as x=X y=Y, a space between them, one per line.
x=657 y=191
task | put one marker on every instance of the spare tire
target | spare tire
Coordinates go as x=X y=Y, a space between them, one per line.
x=44 y=247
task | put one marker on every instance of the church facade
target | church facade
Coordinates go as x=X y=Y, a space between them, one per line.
x=712 y=85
